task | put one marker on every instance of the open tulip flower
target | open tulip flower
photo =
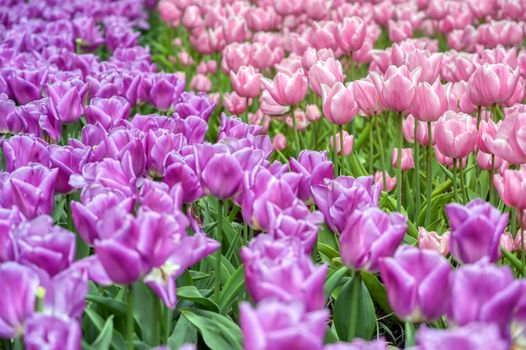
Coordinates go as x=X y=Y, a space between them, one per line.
x=263 y=175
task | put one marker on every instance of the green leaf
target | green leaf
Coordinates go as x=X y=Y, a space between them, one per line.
x=234 y=286
x=218 y=332
x=193 y=294
x=328 y=250
x=114 y=305
x=377 y=291
x=103 y=341
x=117 y=340
x=183 y=333
x=144 y=310
x=334 y=280
x=364 y=315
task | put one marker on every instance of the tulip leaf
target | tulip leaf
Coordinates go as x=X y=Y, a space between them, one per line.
x=145 y=310
x=117 y=339
x=218 y=332
x=327 y=250
x=377 y=291
x=103 y=341
x=115 y=306
x=183 y=333
x=364 y=314
x=334 y=280
x=193 y=294
x=234 y=286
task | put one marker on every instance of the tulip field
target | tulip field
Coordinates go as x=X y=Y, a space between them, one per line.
x=262 y=174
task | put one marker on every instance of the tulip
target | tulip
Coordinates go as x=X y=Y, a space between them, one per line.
x=194 y=104
x=489 y=162
x=246 y=82
x=473 y=336
x=509 y=141
x=429 y=63
x=327 y=73
x=348 y=142
x=456 y=135
x=370 y=235
x=279 y=142
x=107 y=111
x=297 y=225
x=338 y=199
x=18 y=285
x=483 y=293
x=222 y=175
x=48 y=331
x=287 y=90
x=492 y=83
x=486 y=135
x=200 y=82
x=232 y=127
x=475 y=231
x=314 y=168
x=339 y=104
x=366 y=96
x=20 y=150
x=390 y=181
x=507 y=242
x=66 y=100
x=234 y=103
x=511 y=186
x=270 y=107
x=433 y=241
x=400 y=30
x=351 y=33
x=280 y=271
x=408 y=128
x=276 y=325
x=417 y=283
x=358 y=344
x=397 y=88
x=312 y=112
x=407 y=159
x=430 y=101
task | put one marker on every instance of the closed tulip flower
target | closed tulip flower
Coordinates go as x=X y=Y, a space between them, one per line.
x=348 y=142
x=456 y=135
x=366 y=96
x=326 y=72
x=492 y=83
x=107 y=111
x=433 y=241
x=234 y=103
x=339 y=104
x=52 y=332
x=287 y=90
x=246 y=82
x=509 y=141
x=476 y=229
x=417 y=283
x=430 y=101
x=407 y=159
x=312 y=112
x=397 y=88
x=222 y=175
x=370 y=235
x=20 y=150
x=511 y=185
x=351 y=33
x=389 y=181
x=474 y=336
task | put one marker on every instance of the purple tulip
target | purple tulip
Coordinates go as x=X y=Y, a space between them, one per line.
x=66 y=100
x=474 y=336
x=18 y=285
x=107 y=111
x=280 y=270
x=235 y=128
x=30 y=188
x=20 y=150
x=177 y=171
x=166 y=90
x=26 y=85
x=277 y=325
x=52 y=332
x=417 y=283
x=192 y=128
x=475 y=231
x=338 y=199
x=158 y=197
x=68 y=161
x=314 y=168
x=159 y=144
x=194 y=104
x=359 y=344
x=66 y=294
x=371 y=234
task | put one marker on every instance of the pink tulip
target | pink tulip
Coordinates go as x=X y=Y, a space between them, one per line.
x=509 y=142
x=269 y=106
x=367 y=96
x=486 y=135
x=492 y=83
x=456 y=135
x=518 y=94
x=408 y=128
x=287 y=90
x=507 y=242
x=484 y=161
x=400 y=30
x=235 y=55
x=348 y=142
x=433 y=241
x=351 y=33
x=246 y=82
x=279 y=142
x=234 y=103
x=326 y=72
x=201 y=82
x=312 y=112
x=261 y=19
x=185 y=59
x=407 y=159
x=390 y=181
x=397 y=88
x=506 y=33
x=169 y=13
x=511 y=186
x=192 y=17
x=235 y=30
x=339 y=104
x=301 y=120
x=458 y=97
x=430 y=101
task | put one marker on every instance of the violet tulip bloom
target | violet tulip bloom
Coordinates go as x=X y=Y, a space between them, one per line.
x=107 y=111
x=280 y=270
x=483 y=293
x=338 y=199
x=474 y=336
x=18 y=286
x=276 y=325
x=370 y=235
x=358 y=344
x=476 y=229
x=417 y=283
x=66 y=100
x=314 y=168
x=52 y=332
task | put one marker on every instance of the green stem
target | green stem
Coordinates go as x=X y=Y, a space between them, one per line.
x=335 y=161
x=219 y=238
x=491 y=175
x=355 y=304
x=429 y=174
x=416 y=156
x=18 y=343
x=342 y=153
x=399 y=183
x=155 y=323
x=382 y=154
x=455 y=179
x=371 y=147
x=523 y=253
x=296 y=134
x=129 y=319
x=409 y=335
x=169 y=317
x=315 y=134
x=462 y=182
